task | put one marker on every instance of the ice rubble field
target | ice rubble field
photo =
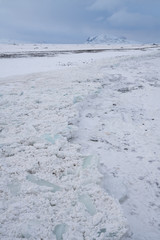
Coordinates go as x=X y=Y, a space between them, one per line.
x=80 y=143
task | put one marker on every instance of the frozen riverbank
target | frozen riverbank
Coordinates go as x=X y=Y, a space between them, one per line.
x=121 y=126
x=58 y=124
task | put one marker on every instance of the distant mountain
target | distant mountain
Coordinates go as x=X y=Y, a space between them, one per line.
x=108 y=39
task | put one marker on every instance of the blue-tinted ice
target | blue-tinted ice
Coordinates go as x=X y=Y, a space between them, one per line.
x=51 y=139
x=87 y=202
x=102 y=230
x=59 y=230
x=42 y=182
x=14 y=187
x=77 y=99
x=87 y=161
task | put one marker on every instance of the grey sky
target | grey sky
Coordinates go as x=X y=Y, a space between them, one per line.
x=72 y=21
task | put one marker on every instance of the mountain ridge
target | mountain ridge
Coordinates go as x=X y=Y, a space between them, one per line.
x=108 y=39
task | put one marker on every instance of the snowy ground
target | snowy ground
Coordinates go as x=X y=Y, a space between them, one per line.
x=80 y=143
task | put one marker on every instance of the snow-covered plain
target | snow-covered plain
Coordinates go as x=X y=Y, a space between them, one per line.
x=80 y=142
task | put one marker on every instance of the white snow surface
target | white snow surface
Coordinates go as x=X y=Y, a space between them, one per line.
x=80 y=143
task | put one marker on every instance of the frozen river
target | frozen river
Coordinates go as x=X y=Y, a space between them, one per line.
x=79 y=142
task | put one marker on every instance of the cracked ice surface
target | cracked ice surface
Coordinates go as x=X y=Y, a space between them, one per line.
x=49 y=189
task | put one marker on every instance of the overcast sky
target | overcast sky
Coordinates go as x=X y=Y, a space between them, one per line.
x=72 y=21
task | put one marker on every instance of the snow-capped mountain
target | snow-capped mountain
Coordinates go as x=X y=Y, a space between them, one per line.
x=108 y=39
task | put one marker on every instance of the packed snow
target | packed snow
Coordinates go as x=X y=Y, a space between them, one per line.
x=79 y=142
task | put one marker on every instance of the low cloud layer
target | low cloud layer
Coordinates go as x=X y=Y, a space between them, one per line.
x=71 y=21
x=108 y=5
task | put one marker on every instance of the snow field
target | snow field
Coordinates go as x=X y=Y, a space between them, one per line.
x=79 y=142
x=121 y=126
x=49 y=189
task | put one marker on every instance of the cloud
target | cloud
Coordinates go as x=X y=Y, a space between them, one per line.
x=74 y=20
x=125 y=19
x=109 y=5
x=51 y=18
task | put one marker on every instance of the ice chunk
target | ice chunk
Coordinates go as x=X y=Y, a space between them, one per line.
x=14 y=187
x=28 y=230
x=42 y=182
x=115 y=187
x=51 y=139
x=102 y=230
x=87 y=202
x=97 y=218
x=77 y=99
x=59 y=230
x=87 y=161
x=113 y=234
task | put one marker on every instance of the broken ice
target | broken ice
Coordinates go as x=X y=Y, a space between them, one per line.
x=51 y=139
x=87 y=202
x=59 y=230
x=42 y=182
